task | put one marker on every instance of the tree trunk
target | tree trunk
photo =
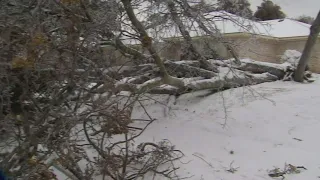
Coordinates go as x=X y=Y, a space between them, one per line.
x=144 y=37
x=313 y=37
x=255 y=67
x=146 y=41
x=198 y=17
x=236 y=80
x=186 y=36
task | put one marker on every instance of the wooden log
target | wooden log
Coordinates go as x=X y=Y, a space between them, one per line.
x=231 y=82
x=255 y=67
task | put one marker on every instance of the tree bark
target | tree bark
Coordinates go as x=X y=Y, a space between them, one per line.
x=146 y=41
x=217 y=83
x=144 y=37
x=185 y=34
x=232 y=82
x=255 y=67
x=313 y=37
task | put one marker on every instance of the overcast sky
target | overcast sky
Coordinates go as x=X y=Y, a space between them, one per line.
x=293 y=8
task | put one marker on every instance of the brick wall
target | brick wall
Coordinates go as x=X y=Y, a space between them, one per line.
x=172 y=49
x=255 y=48
x=261 y=49
x=246 y=47
x=271 y=49
x=298 y=44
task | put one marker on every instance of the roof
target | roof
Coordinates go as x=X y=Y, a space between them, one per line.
x=279 y=28
x=287 y=28
x=228 y=23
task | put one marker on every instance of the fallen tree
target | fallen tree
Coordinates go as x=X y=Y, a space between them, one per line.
x=194 y=78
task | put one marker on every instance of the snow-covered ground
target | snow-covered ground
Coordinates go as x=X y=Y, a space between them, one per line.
x=267 y=126
x=251 y=130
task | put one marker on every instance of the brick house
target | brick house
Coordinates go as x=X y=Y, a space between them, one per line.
x=262 y=41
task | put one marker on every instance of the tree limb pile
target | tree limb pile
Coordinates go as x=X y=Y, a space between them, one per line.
x=256 y=67
x=194 y=78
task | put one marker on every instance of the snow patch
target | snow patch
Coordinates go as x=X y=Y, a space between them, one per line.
x=168 y=87
x=259 y=133
x=282 y=66
x=291 y=56
x=151 y=81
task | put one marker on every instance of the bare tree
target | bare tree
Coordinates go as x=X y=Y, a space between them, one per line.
x=305 y=19
x=312 y=39
x=58 y=101
x=192 y=52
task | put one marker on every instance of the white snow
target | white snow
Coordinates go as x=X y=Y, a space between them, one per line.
x=283 y=66
x=221 y=22
x=261 y=124
x=151 y=81
x=264 y=126
x=292 y=57
x=287 y=28
x=279 y=28
x=168 y=87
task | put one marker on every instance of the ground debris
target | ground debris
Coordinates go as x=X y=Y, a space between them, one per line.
x=276 y=172
x=288 y=169
x=232 y=169
x=297 y=139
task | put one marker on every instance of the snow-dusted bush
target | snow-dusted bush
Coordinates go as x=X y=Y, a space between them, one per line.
x=291 y=56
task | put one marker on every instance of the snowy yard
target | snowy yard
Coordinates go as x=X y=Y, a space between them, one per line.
x=267 y=126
